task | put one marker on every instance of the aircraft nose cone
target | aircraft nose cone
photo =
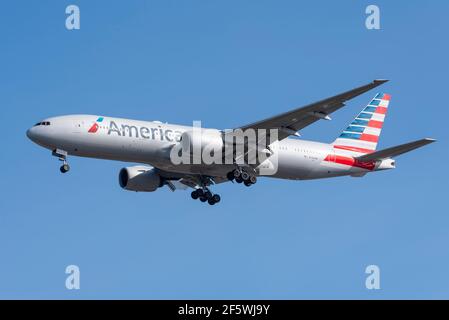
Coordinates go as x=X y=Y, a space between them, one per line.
x=31 y=134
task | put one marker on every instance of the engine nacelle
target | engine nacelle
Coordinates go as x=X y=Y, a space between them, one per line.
x=201 y=139
x=140 y=178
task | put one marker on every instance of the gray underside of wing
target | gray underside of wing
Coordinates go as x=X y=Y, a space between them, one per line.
x=183 y=180
x=192 y=181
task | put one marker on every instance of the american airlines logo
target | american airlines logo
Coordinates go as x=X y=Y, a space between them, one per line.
x=125 y=130
x=95 y=126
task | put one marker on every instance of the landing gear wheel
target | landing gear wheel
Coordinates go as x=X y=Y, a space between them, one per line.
x=208 y=195
x=239 y=180
x=205 y=195
x=194 y=194
x=245 y=176
x=253 y=179
x=247 y=183
x=216 y=198
x=64 y=168
x=230 y=176
x=237 y=173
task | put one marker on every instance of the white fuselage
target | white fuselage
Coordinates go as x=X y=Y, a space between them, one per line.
x=150 y=143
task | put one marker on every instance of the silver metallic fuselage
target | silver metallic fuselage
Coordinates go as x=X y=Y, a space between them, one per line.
x=296 y=159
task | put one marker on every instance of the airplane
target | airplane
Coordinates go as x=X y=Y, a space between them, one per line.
x=151 y=145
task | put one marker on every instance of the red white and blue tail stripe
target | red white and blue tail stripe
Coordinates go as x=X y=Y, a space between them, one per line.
x=362 y=135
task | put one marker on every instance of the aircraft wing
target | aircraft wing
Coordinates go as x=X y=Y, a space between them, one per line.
x=183 y=181
x=193 y=181
x=290 y=122
x=395 y=151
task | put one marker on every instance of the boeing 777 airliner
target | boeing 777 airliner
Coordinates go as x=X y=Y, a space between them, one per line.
x=267 y=151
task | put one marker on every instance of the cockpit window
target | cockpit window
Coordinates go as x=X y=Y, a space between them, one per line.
x=45 y=123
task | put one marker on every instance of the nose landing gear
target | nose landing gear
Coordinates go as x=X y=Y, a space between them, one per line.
x=62 y=156
x=64 y=168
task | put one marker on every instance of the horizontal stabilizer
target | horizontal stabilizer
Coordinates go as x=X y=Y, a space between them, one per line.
x=395 y=151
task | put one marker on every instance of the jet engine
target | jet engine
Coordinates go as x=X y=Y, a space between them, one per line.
x=140 y=178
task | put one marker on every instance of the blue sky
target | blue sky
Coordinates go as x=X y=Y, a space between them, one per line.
x=225 y=63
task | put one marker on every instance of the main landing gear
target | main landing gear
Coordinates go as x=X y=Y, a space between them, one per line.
x=62 y=156
x=205 y=195
x=241 y=176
